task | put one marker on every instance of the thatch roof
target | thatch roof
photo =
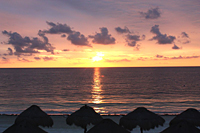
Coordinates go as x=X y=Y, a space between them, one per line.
x=107 y=126
x=191 y=115
x=35 y=116
x=83 y=117
x=142 y=117
x=181 y=127
x=24 y=127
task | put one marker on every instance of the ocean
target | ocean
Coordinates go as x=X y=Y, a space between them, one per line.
x=163 y=90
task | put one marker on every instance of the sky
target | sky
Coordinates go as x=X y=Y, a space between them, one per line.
x=93 y=33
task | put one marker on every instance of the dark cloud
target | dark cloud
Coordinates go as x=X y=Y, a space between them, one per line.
x=121 y=31
x=58 y=28
x=4 y=59
x=161 y=38
x=142 y=58
x=65 y=50
x=184 y=38
x=133 y=39
x=159 y=56
x=26 y=45
x=186 y=42
x=10 y=51
x=130 y=37
x=185 y=57
x=153 y=13
x=24 y=60
x=37 y=58
x=122 y=60
x=16 y=39
x=175 y=47
x=63 y=35
x=137 y=47
x=77 y=38
x=176 y=57
x=48 y=58
x=103 y=37
x=184 y=35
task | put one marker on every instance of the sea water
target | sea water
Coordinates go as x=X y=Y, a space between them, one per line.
x=163 y=90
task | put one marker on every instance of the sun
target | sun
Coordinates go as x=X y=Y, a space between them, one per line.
x=98 y=57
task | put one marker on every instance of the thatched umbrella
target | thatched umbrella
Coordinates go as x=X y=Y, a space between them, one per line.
x=24 y=127
x=83 y=117
x=107 y=126
x=142 y=117
x=35 y=116
x=191 y=115
x=181 y=127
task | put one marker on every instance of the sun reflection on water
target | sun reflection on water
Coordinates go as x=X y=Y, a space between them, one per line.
x=97 y=91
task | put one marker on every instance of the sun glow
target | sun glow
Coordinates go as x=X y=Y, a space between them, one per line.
x=98 y=57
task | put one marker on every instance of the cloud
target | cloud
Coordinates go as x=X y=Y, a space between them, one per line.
x=121 y=31
x=63 y=35
x=75 y=37
x=142 y=58
x=26 y=45
x=37 y=58
x=153 y=13
x=65 y=50
x=175 y=47
x=184 y=38
x=24 y=60
x=159 y=56
x=184 y=57
x=161 y=38
x=184 y=35
x=5 y=59
x=137 y=47
x=176 y=57
x=133 y=39
x=48 y=58
x=103 y=37
x=58 y=28
x=122 y=60
x=10 y=51
x=130 y=37
x=79 y=39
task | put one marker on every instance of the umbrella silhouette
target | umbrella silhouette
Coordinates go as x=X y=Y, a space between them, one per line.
x=181 y=127
x=83 y=117
x=107 y=126
x=24 y=127
x=191 y=115
x=35 y=116
x=142 y=117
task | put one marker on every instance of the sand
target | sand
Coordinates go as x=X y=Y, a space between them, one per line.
x=60 y=125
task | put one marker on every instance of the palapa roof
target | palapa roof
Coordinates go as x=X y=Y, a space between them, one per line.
x=83 y=117
x=142 y=117
x=35 y=116
x=107 y=126
x=191 y=115
x=181 y=127
x=24 y=127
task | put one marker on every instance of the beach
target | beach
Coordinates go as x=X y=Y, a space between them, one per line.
x=60 y=125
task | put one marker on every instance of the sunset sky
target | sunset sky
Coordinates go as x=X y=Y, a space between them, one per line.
x=99 y=33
